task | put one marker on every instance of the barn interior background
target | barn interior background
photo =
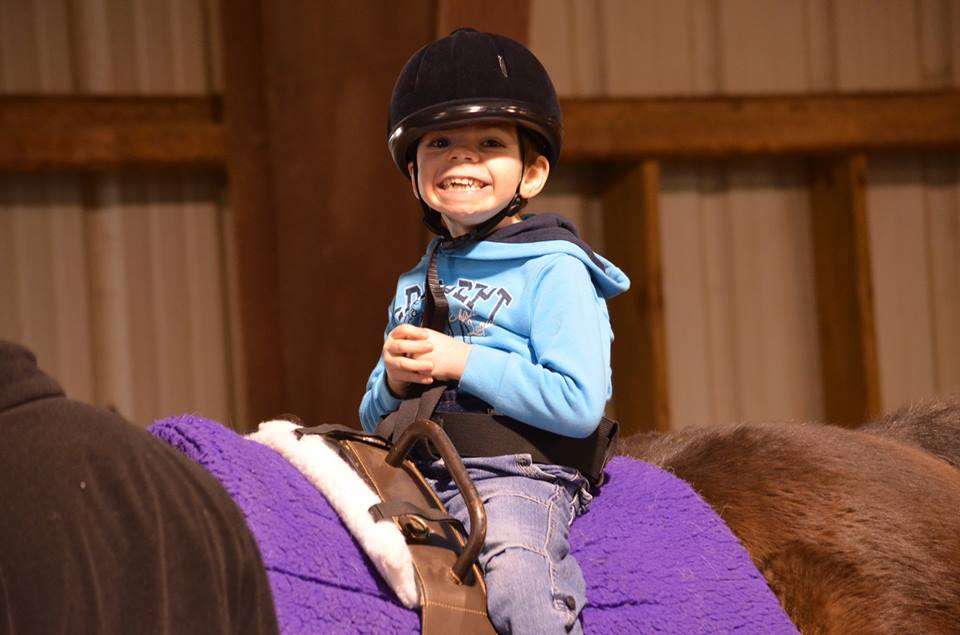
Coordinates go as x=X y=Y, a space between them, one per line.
x=198 y=212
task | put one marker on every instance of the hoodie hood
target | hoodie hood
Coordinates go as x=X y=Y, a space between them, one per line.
x=540 y=235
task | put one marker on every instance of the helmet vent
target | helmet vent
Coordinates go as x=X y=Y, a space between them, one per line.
x=503 y=65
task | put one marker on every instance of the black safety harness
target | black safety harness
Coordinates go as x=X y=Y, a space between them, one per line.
x=476 y=434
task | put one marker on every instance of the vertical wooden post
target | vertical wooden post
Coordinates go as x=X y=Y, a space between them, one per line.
x=251 y=200
x=848 y=349
x=631 y=224
x=324 y=221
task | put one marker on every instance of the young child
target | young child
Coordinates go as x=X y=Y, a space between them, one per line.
x=476 y=127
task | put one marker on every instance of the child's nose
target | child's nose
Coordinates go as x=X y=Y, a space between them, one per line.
x=462 y=153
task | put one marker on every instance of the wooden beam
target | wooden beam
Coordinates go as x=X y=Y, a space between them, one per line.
x=252 y=200
x=845 y=309
x=504 y=17
x=56 y=132
x=717 y=127
x=631 y=222
x=104 y=133
x=337 y=219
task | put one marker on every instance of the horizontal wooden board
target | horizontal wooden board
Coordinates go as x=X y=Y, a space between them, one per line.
x=47 y=133
x=95 y=133
x=629 y=129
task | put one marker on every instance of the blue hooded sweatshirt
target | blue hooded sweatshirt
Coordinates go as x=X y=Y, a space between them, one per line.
x=531 y=300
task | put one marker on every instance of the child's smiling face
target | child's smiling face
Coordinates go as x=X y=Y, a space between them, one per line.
x=469 y=173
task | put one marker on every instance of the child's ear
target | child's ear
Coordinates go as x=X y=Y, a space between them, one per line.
x=413 y=181
x=535 y=177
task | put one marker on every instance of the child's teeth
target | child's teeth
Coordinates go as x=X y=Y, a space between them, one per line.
x=461 y=183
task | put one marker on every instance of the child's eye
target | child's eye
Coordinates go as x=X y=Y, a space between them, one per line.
x=492 y=143
x=439 y=142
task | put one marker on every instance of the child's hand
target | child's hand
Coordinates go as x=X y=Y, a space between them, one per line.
x=400 y=352
x=448 y=356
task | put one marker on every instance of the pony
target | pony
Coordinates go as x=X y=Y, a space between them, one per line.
x=853 y=530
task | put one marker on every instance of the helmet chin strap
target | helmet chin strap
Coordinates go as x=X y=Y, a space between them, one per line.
x=434 y=220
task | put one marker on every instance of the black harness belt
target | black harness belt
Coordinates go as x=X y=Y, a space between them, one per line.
x=483 y=434
x=480 y=434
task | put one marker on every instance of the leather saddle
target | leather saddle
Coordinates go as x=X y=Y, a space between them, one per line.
x=453 y=596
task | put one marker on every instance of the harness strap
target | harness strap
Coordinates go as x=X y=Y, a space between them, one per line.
x=436 y=309
x=481 y=434
x=399 y=508
x=339 y=432
x=422 y=407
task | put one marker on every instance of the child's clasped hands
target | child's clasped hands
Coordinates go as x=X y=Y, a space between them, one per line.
x=416 y=355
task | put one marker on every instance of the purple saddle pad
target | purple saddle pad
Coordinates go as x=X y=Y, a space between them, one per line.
x=655 y=556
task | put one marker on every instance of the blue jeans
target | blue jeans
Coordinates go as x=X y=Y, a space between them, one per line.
x=533 y=583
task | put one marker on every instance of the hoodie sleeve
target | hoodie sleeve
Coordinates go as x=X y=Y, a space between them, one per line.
x=566 y=388
x=377 y=401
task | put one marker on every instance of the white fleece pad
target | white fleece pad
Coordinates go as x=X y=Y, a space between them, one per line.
x=351 y=497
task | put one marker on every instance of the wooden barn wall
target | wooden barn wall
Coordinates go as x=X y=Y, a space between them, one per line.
x=121 y=283
x=117 y=282
x=737 y=250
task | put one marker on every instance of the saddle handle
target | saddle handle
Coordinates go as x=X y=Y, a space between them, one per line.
x=425 y=428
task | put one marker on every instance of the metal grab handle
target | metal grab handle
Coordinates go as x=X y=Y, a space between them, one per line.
x=478 y=516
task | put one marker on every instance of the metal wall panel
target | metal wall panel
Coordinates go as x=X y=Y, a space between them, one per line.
x=942 y=199
x=118 y=282
x=914 y=232
x=738 y=274
x=44 y=297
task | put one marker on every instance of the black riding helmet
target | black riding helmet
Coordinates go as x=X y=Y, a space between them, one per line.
x=471 y=77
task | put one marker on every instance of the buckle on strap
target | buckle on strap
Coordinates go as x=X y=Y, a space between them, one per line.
x=406 y=511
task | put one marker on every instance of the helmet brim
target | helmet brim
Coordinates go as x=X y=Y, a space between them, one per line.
x=471 y=111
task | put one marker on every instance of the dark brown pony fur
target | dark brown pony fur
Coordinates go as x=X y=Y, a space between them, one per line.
x=933 y=426
x=856 y=531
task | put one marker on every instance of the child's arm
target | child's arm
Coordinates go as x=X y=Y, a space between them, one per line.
x=395 y=370
x=566 y=390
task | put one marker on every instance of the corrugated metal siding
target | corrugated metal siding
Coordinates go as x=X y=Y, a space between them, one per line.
x=738 y=272
x=117 y=282
x=44 y=284
x=915 y=235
